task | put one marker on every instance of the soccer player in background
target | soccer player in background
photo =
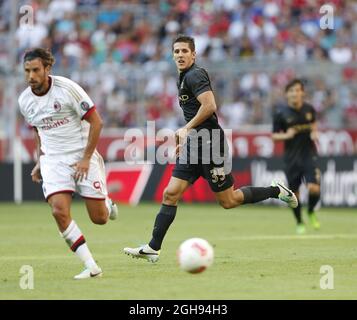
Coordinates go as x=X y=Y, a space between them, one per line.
x=198 y=104
x=67 y=128
x=295 y=124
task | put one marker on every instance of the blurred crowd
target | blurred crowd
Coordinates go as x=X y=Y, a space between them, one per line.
x=120 y=52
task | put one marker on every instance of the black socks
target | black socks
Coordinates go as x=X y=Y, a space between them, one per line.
x=257 y=194
x=313 y=200
x=162 y=223
x=297 y=213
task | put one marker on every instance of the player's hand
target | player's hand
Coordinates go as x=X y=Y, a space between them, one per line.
x=180 y=136
x=81 y=169
x=290 y=133
x=36 y=173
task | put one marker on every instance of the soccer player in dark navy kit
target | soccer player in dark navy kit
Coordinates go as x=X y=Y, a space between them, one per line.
x=296 y=125
x=197 y=152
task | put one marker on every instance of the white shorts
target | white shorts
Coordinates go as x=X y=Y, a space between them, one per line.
x=57 y=176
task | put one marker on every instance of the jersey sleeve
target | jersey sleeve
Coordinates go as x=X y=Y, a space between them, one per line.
x=278 y=123
x=198 y=82
x=82 y=103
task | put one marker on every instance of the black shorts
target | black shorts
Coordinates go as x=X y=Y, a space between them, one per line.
x=216 y=171
x=307 y=172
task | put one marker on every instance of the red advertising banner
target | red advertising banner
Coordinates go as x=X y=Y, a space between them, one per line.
x=243 y=145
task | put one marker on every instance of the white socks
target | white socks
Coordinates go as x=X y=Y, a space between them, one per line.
x=77 y=243
x=84 y=254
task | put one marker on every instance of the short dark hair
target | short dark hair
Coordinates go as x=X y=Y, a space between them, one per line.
x=44 y=54
x=186 y=39
x=293 y=83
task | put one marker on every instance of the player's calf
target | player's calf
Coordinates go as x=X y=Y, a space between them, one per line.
x=314 y=197
x=97 y=211
x=99 y=218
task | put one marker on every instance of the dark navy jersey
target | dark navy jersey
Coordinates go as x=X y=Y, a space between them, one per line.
x=300 y=148
x=191 y=83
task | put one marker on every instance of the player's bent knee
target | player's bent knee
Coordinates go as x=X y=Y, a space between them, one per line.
x=171 y=197
x=314 y=189
x=60 y=213
x=226 y=204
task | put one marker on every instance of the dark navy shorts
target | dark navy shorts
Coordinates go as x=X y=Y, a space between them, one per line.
x=307 y=172
x=216 y=171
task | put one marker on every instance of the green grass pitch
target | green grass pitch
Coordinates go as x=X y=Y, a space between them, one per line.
x=257 y=254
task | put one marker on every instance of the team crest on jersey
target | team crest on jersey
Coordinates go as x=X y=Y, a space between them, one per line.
x=308 y=116
x=57 y=106
x=84 y=106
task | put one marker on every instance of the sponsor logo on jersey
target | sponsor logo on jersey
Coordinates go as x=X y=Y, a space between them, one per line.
x=302 y=127
x=184 y=97
x=52 y=124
